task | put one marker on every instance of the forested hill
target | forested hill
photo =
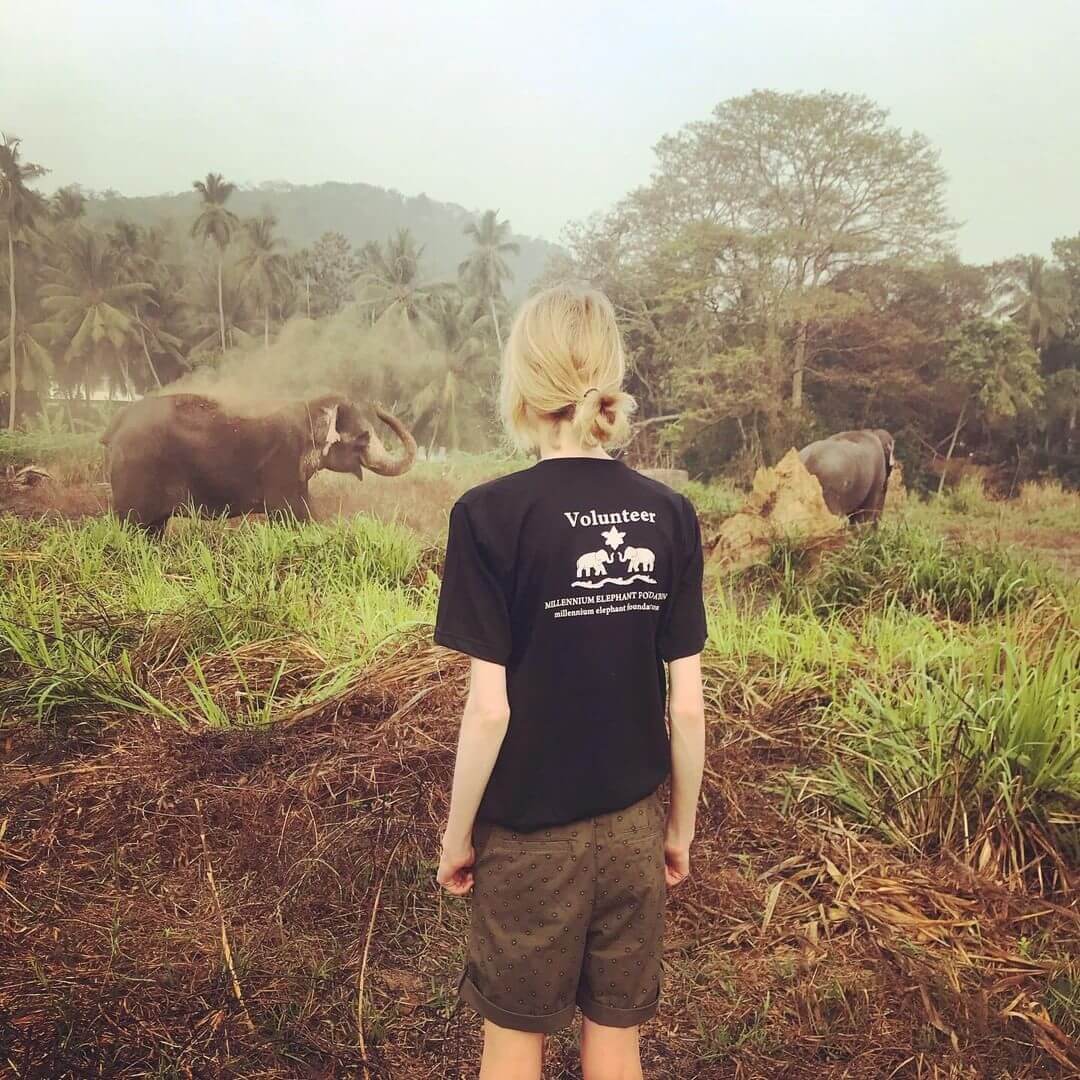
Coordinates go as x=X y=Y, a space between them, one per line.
x=360 y=212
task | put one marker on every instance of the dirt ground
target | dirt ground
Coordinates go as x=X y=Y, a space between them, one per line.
x=261 y=903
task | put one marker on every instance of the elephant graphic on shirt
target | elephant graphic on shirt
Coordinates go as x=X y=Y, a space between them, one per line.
x=638 y=559
x=593 y=562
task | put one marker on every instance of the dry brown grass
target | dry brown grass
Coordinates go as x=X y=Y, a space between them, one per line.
x=795 y=950
x=421 y=499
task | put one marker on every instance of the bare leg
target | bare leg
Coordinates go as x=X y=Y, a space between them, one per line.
x=511 y=1055
x=609 y=1053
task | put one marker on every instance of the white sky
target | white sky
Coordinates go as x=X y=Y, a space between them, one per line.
x=545 y=110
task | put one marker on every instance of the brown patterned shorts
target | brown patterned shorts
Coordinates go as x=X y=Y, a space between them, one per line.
x=572 y=915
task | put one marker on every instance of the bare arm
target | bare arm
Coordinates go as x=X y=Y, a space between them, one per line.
x=686 y=707
x=483 y=728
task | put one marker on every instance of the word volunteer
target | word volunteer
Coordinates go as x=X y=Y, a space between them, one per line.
x=619 y=517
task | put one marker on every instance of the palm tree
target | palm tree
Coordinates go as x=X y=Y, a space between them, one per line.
x=486 y=268
x=1036 y=296
x=19 y=206
x=92 y=309
x=389 y=282
x=457 y=336
x=265 y=269
x=217 y=224
x=202 y=330
x=300 y=269
x=68 y=204
x=32 y=340
x=140 y=258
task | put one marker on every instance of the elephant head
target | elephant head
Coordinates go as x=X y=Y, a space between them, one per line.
x=344 y=439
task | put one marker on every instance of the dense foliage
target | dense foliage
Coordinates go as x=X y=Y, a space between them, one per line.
x=788 y=271
x=124 y=308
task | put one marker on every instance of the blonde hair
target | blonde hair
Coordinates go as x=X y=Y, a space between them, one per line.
x=564 y=361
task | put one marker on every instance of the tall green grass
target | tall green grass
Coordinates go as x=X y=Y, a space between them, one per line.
x=942 y=690
x=913 y=567
x=98 y=618
x=714 y=498
x=977 y=753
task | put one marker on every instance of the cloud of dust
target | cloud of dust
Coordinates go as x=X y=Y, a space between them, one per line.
x=344 y=354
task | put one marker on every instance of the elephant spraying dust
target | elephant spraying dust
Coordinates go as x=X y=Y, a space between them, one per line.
x=853 y=469
x=168 y=451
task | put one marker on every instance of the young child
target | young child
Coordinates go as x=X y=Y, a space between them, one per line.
x=571 y=584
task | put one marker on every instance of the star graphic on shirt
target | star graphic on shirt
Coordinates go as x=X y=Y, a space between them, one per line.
x=613 y=538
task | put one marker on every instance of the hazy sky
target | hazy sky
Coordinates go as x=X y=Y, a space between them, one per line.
x=547 y=111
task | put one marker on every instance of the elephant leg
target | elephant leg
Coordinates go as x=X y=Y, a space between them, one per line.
x=293 y=507
x=155 y=530
x=151 y=523
x=870 y=511
x=293 y=514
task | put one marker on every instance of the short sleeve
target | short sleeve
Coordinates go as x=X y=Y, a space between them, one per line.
x=473 y=616
x=683 y=631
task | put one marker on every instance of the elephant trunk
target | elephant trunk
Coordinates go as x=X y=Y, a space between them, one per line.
x=378 y=460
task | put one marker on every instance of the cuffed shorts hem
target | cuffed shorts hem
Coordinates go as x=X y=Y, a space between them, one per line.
x=609 y=1016
x=542 y=1025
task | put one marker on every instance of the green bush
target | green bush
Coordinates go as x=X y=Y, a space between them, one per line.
x=923 y=572
x=980 y=756
x=715 y=498
x=968 y=498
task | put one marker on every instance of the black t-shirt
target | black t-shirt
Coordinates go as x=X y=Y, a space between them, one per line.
x=582 y=577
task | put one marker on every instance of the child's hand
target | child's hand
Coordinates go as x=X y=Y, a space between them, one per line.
x=676 y=862
x=455 y=868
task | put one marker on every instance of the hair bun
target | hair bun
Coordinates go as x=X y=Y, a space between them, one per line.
x=603 y=417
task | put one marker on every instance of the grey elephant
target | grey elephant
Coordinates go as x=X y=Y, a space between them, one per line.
x=853 y=468
x=165 y=452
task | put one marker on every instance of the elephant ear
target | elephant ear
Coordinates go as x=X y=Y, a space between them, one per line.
x=888 y=444
x=328 y=422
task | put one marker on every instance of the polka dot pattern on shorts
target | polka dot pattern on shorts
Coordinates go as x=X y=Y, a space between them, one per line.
x=568 y=911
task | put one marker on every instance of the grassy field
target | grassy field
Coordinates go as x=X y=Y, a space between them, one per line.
x=226 y=757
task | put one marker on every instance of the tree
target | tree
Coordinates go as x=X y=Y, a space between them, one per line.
x=216 y=223
x=92 y=308
x=457 y=336
x=333 y=270
x=67 y=205
x=1063 y=403
x=1035 y=295
x=1066 y=251
x=389 y=284
x=995 y=373
x=140 y=257
x=19 y=206
x=263 y=266
x=485 y=269
x=33 y=336
x=753 y=214
x=203 y=292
